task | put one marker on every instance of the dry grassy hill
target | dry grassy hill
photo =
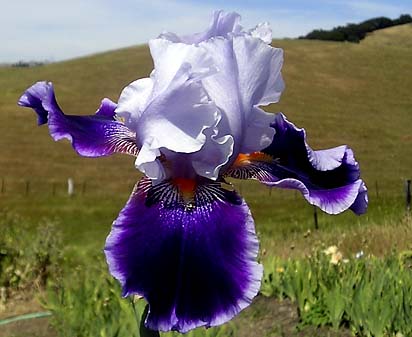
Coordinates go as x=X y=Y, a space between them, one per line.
x=359 y=94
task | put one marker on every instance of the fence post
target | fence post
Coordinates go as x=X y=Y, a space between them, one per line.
x=377 y=189
x=27 y=190
x=2 y=186
x=53 y=188
x=408 y=195
x=70 y=187
x=84 y=188
x=315 y=217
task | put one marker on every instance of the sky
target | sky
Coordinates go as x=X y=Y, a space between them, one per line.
x=54 y=30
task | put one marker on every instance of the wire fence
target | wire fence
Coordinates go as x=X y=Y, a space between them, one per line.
x=59 y=187
x=70 y=187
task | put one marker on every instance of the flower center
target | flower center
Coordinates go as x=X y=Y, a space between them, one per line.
x=186 y=187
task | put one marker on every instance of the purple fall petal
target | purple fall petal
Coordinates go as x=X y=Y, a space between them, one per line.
x=329 y=179
x=91 y=136
x=361 y=202
x=32 y=98
x=194 y=263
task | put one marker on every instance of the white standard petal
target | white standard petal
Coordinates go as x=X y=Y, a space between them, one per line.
x=221 y=25
x=134 y=99
x=263 y=32
x=171 y=109
x=223 y=89
x=170 y=57
x=249 y=75
x=175 y=120
x=147 y=161
x=214 y=154
x=260 y=78
x=258 y=133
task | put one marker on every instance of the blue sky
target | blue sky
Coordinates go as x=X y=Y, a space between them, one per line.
x=62 y=29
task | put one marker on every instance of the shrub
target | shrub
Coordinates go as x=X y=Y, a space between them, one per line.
x=371 y=296
x=356 y=32
x=28 y=256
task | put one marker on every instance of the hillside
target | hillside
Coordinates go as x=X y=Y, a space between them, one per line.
x=341 y=93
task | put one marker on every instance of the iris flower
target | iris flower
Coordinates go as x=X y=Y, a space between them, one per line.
x=186 y=240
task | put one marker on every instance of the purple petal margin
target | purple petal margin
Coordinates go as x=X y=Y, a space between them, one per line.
x=194 y=264
x=91 y=136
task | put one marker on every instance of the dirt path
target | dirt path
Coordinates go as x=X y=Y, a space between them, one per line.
x=265 y=318
x=38 y=327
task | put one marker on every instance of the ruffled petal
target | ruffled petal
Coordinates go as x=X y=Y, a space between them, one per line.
x=193 y=261
x=329 y=179
x=91 y=136
x=263 y=32
x=221 y=25
x=213 y=155
x=259 y=71
x=249 y=75
x=257 y=134
x=169 y=58
x=133 y=100
x=171 y=111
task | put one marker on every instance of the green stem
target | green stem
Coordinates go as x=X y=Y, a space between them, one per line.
x=145 y=332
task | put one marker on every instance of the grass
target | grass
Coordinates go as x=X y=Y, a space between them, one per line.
x=85 y=220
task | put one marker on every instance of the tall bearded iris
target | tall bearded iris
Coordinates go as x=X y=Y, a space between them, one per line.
x=184 y=241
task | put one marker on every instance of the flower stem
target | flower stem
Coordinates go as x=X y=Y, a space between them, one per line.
x=143 y=331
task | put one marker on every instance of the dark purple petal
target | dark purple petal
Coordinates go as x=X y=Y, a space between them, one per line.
x=91 y=136
x=329 y=179
x=32 y=98
x=194 y=262
x=361 y=202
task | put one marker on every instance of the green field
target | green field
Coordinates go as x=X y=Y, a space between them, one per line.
x=342 y=93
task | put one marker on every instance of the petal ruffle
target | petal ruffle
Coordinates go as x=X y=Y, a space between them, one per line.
x=170 y=111
x=329 y=179
x=221 y=25
x=249 y=75
x=194 y=262
x=91 y=136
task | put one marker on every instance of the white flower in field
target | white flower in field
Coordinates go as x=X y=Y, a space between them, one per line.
x=331 y=250
x=359 y=254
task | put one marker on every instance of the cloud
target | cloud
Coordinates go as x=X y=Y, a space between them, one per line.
x=366 y=9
